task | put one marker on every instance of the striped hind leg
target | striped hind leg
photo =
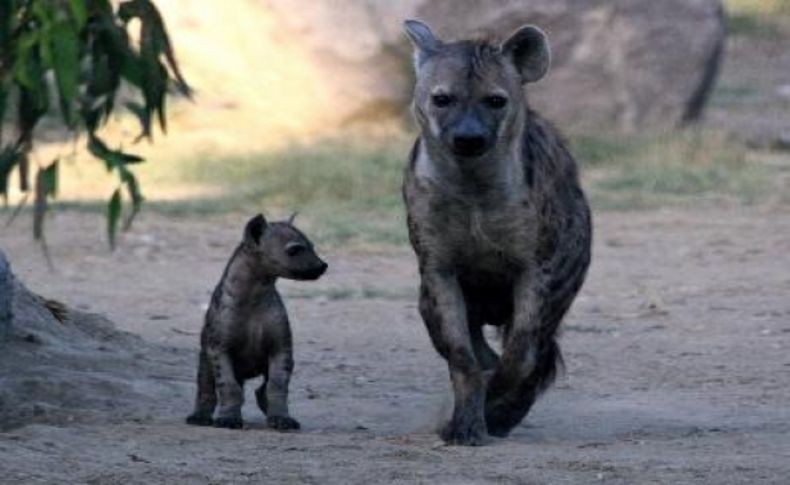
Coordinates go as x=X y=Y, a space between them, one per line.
x=529 y=361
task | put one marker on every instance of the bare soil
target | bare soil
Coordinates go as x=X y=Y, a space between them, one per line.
x=677 y=357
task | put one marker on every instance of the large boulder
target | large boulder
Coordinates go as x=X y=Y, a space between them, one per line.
x=625 y=64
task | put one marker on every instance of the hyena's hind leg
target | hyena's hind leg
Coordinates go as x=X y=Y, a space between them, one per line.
x=477 y=318
x=206 y=399
x=531 y=355
x=512 y=391
x=486 y=356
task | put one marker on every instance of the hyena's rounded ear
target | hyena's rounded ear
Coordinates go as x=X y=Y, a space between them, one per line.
x=254 y=229
x=528 y=49
x=424 y=41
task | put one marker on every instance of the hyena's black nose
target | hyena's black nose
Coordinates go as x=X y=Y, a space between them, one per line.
x=469 y=145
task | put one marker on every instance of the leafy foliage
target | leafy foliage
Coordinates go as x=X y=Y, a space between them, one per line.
x=78 y=55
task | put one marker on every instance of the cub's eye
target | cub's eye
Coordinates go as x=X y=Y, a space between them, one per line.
x=495 y=101
x=294 y=249
x=442 y=100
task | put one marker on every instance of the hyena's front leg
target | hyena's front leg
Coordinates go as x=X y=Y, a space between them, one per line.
x=206 y=399
x=275 y=405
x=231 y=393
x=444 y=312
x=528 y=364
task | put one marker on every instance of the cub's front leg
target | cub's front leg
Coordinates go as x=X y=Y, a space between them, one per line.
x=272 y=396
x=275 y=405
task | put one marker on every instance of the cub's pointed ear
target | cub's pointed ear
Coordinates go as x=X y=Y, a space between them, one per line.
x=254 y=229
x=424 y=42
x=528 y=49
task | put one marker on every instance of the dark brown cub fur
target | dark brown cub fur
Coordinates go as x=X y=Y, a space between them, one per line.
x=246 y=332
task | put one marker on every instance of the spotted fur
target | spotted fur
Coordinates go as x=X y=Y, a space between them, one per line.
x=499 y=224
x=246 y=333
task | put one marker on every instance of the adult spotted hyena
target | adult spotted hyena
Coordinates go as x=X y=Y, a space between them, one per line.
x=498 y=221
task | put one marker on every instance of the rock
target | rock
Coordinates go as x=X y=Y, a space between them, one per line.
x=53 y=369
x=782 y=141
x=625 y=64
x=769 y=140
x=6 y=297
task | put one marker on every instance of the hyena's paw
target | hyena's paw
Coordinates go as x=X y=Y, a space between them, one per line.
x=463 y=432
x=230 y=423
x=198 y=419
x=282 y=423
x=501 y=418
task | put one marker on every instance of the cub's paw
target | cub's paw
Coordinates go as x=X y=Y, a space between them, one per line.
x=197 y=419
x=282 y=423
x=230 y=423
x=463 y=433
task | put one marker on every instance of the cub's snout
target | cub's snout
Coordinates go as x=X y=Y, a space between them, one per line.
x=312 y=273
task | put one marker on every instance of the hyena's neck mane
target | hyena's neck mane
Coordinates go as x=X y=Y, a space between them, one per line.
x=245 y=276
x=544 y=152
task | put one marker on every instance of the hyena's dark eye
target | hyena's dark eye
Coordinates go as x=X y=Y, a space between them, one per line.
x=294 y=249
x=495 y=101
x=442 y=100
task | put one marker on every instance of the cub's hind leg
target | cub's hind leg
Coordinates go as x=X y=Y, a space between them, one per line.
x=260 y=396
x=206 y=399
x=229 y=389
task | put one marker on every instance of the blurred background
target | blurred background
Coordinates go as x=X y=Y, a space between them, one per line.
x=677 y=102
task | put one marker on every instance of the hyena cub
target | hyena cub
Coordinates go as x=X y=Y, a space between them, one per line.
x=246 y=332
x=498 y=220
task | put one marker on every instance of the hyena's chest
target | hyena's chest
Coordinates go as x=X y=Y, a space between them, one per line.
x=246 y=327
x=497 y=239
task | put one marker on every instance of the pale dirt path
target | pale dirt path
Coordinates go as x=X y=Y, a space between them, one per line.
x=677 y=351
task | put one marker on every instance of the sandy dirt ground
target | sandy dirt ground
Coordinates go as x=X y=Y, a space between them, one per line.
x=677 y=354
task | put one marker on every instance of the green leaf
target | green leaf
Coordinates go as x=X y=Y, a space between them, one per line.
x=133 y=188
x=143 y=116
x=79 y=12
x=8 y=160
x=80 y=51
x=49 y=179
x=3 y=103
x=112 y=158
x=113 y=216
x=27 y=69
x=66 y=61
x=43 y=11
x=128 y=178
x=6 y=19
